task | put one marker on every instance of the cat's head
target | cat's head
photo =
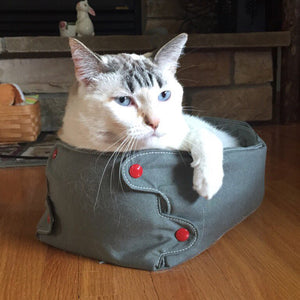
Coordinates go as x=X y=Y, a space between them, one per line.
x=129 y=95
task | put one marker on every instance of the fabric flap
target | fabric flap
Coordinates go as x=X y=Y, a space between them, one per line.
x=47 y=220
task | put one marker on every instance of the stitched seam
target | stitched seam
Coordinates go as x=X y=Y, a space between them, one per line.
x=124 y=173
x=143 y=188
x=181 y=221
x=178 y=220
x=245 y=149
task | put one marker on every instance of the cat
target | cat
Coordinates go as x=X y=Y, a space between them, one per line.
x=124 y=102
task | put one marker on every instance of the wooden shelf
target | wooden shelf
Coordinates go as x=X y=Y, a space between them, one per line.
x=58 y=46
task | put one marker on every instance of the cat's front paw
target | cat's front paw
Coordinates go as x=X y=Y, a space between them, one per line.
x=207 y=154
x=207 y=182
x=208 y=169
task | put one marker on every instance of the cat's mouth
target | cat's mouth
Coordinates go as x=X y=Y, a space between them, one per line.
x=157 y=134
x=152 y=135
x=143 y=134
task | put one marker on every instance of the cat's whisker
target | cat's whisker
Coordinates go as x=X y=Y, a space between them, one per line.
x=189 y=107
x=120 y=149
x=120 y=170
x=120 y=141
x=192 y=109
x=116 y=154
x=104 y=171
x=111 y=146
x=128 y=148
x=116 y=142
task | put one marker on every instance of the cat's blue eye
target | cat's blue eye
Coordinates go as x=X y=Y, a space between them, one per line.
x=164 y=96
x=124 y=101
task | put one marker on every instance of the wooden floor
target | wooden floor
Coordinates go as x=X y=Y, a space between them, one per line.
x=258 y=259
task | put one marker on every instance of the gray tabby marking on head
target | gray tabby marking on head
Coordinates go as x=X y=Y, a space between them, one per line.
x=136 y=73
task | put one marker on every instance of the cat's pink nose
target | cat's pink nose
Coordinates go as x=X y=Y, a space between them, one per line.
x=152 y=122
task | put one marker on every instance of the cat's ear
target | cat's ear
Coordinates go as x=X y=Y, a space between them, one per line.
x=168 y=55
x=87 y=64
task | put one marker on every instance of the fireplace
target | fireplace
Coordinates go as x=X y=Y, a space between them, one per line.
x=41 y=18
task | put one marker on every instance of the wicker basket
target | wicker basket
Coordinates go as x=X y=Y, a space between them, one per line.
x=19 y=123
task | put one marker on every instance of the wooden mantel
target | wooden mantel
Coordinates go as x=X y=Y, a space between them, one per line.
x=58 y=46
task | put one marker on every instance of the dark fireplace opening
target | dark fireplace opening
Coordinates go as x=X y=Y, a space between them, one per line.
x=230 y=16
x=129 y=17
x=33 y=18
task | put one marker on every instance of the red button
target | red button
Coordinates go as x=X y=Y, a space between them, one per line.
x=48 y=219
x=54 y=154
x=182 y=234
x=136 y=171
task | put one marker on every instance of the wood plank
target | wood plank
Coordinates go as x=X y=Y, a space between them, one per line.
x=60 y=270
x=22 y=257
x=196 y=279
x=114 y=283
x=257 y=272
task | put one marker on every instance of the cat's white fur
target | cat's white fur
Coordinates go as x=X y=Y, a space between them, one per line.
x=93 y=120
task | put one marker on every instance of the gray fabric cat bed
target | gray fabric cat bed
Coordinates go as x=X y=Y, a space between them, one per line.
x=145 y=214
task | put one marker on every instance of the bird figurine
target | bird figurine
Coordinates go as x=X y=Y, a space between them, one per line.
x=84 y=25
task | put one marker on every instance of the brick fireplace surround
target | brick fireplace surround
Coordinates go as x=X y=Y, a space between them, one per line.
x=226 y=75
